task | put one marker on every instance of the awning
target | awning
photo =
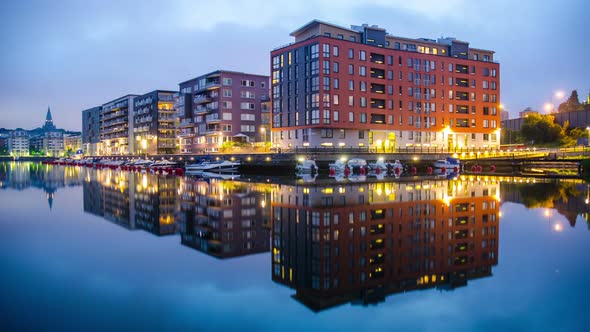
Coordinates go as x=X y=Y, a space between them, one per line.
x=241 y=135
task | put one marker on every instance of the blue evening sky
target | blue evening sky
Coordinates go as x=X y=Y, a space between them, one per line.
x=72 y=55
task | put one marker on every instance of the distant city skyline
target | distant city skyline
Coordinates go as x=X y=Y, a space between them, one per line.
x=73 y=56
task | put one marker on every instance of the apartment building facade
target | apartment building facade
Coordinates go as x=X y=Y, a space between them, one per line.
x=219 y=109
x=91 y=130
x=18 y=142
x=364 y=87
x=116 y=127
x=154 y=127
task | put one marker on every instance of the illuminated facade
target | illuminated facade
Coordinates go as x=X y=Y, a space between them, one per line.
x=154 y=128
x=362 y=242
x=116 y=127
x=219 y=109
x=364 y=87
x=18 y=143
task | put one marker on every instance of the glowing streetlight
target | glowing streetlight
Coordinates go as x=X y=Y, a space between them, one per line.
x=548 y=107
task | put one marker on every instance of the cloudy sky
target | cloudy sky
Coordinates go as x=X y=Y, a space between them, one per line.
x=72 y=55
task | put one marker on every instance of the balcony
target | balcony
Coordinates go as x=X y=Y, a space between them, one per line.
x=462 y=96
x=377 y=103
x=461 y=69
x=186 y=122
x=377 y=73
x=200 y=99
x=377 y=58
x=377 y=88
x=462 y=82
x=214 y=84
x=212 y=118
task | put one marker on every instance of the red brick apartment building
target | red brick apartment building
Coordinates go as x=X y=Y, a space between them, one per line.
x=364 y=87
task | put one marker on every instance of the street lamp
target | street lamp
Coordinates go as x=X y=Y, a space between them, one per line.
x=558 y=95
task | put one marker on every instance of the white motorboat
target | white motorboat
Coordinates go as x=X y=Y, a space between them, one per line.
x=307 y=166
x=449 y=164
x=214 y=166
x=337 y=167
x=143 y=162
x=164 y=163
x=396 y=168
x=356 y=162
x=379 y=167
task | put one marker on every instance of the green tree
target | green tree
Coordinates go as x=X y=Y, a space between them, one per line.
x=539 y=129
x=571 y=104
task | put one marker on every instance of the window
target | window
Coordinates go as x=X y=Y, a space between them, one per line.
x=326 y=50
x=248 y=83
x=326 y=67
x=227 y=81
x=486 y=72
x=335 y=51
x=227 y=92
x=248 y=94
x=351 y=53
x=327 y=133
x=336 y=100
x=351 y=69
x=351 y=85
x=363 y=118
x=350 y=100
x=362 y=55
x=227 y=116
x=315 y=51
x=247 y=106
x=363 y=71
x=336 y=83
x=493 y=72
x=350 y=116
x=247 y=117
x=227 y=105
x=363 y=103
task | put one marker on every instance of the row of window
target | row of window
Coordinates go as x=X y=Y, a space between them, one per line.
x=312 y=117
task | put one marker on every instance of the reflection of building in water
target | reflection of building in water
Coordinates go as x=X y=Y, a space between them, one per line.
x=361 y=242
x=570 y=198
x=49 y=178
x=118 y=201
x=155 y=203
x=132 y=200
x=224 y=218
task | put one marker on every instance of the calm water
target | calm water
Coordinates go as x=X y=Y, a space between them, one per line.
x=83 y=250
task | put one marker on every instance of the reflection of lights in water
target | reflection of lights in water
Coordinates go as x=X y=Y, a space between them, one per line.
x=500 y=214
x=558 y=227
x=263 y=204
x=547 y=213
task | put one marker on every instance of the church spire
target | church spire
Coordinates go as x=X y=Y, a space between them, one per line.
x=49 y=120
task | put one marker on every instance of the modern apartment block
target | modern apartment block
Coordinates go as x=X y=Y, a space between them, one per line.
x=50 y=142
x=116 y=127
x=91 y=130
x=154 y=128
x=364 y=87
x=18 y=142
x=218 y=108
x=73 y=142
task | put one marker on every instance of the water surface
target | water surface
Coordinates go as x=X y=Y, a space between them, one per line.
x=94 y=250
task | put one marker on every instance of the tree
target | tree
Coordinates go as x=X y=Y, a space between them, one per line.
x=538 y=128
x=571 y=104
